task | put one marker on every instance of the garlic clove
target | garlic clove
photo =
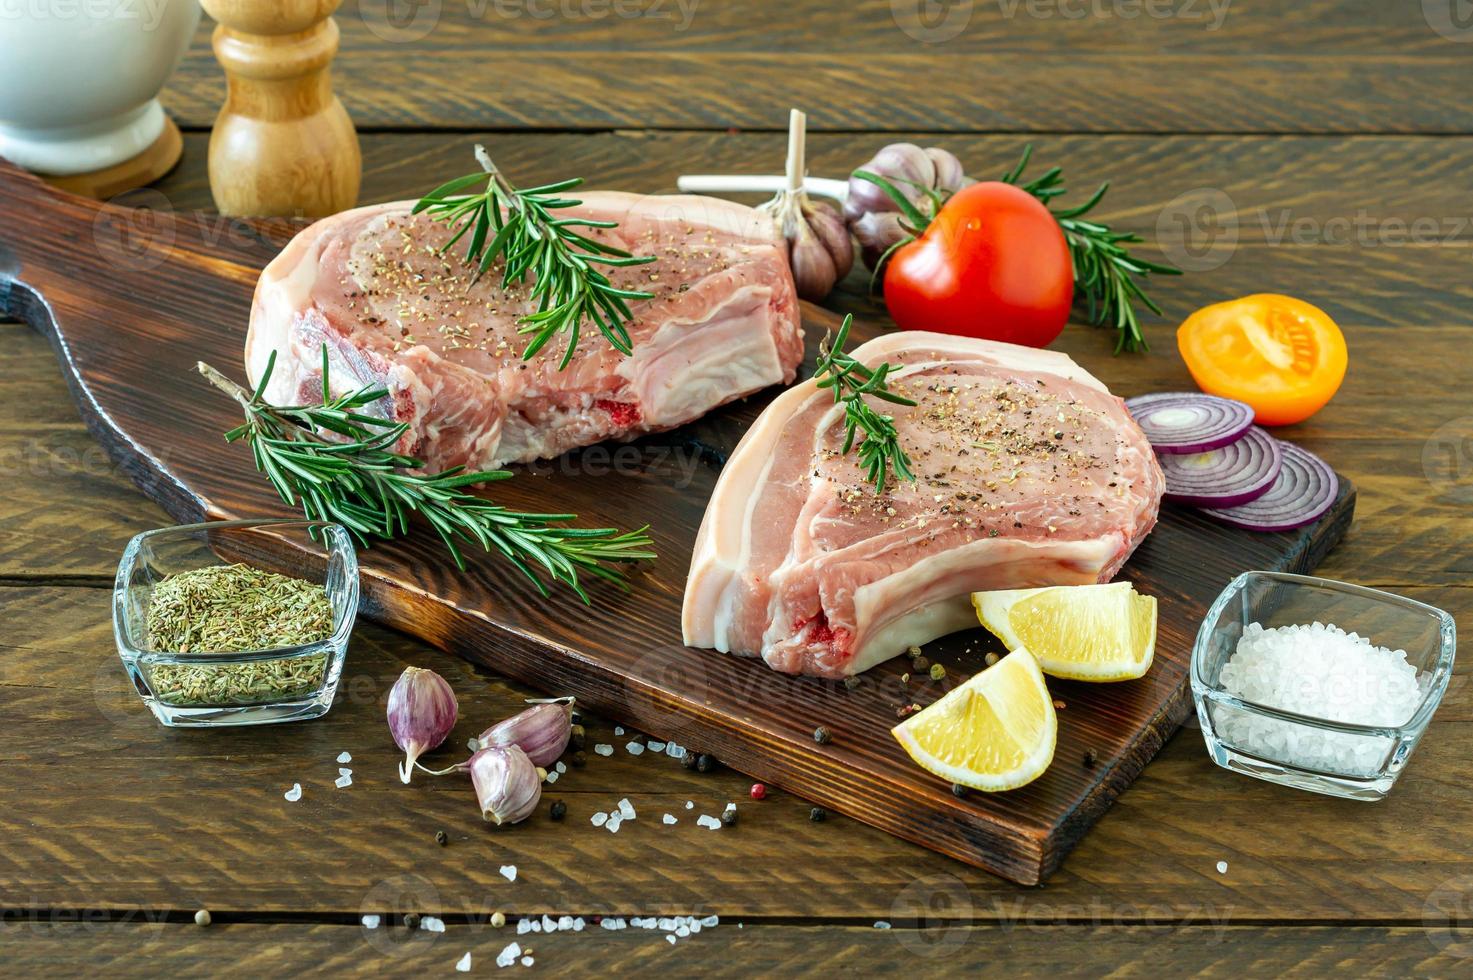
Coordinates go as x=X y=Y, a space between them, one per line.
x=829 y=226
x=874 y=217
x=506 y=783
x=422 y=711
x=542 y=731
x=814 y=274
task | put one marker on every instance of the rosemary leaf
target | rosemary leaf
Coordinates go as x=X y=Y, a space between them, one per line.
x=880 y=451
x=531 y=242
x=363 y=485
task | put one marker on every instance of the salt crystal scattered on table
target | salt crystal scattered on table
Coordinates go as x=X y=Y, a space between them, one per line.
x=561 y=767
x=1222 y=867
x=615 y=821
x=430 y=923
x=549 y=924
x=370 y=921
x=344 y=771
x=564 y=922
x=578 y=924
x=689 y=805
x=626 y=809
x=342 y=782
x=706 y=820
x=618 y=730
x=671 y=940
x=534 y=926
x=603 y=748
x=635 y=748
x=551 y=778
x=674 y=751
x=711 y=920
x=294 y=794
x=657 y=747
x=599 y=819
x=464 y=963
x=509 y=872
x=344 y=758
x=670 y=819
x=682 y=931
x=524 y=926
x=882 y=924
x=730 y=807
x=509 y=955
x=527 y=961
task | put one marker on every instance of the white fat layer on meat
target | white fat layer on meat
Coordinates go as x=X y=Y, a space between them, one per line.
x=979 y=565
x=690 y=366
x=722 y=544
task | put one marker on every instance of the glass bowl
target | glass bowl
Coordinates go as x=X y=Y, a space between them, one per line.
x=1262 y=741
x=256 y=687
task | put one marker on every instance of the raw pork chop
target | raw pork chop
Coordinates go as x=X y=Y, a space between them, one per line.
x=1029 y=473
x=370 y=285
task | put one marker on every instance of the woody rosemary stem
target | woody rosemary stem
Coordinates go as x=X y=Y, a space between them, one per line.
x=359 y=481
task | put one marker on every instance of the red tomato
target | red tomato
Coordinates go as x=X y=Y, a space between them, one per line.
x=992 y=264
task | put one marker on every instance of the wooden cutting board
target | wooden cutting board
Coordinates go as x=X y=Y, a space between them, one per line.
x=131 y=299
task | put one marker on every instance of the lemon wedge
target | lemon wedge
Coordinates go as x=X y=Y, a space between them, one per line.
x=995 y=732
x=1081 y=632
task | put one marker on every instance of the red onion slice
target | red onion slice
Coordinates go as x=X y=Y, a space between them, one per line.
x=1189 y=422
x=1305 y=489
x=1235 y=474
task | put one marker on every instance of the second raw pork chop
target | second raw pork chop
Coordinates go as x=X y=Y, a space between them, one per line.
x=371 y=286
x=1029 y=473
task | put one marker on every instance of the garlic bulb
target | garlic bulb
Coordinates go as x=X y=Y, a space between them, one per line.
x=422 y=711
x=820 y=251
x=542 y=731
x=508 y=786
x=874 y=218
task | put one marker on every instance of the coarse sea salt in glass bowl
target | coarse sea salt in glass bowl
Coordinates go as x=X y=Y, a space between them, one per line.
x=1290 y=685
x=201 y=688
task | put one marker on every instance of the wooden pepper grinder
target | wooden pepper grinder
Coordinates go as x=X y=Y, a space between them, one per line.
x=283 y=144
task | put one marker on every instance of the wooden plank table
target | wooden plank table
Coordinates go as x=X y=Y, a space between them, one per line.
x=1318 y=147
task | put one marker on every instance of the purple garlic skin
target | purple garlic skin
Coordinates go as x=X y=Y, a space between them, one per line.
x=508 y=786
x=820 y=251
x=422 y=711
x=542 y=731
x=874 y=218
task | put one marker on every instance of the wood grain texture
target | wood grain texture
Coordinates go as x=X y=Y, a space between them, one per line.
x=100 y=835
x=1263 y=66
x=958 y=949
x=128 y=344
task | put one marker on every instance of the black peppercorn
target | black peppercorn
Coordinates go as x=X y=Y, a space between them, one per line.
x=690 y=760
x=821 y=735
x=579 y=760
x=411 y=920
x=729 y=818
x=1089 y=758
x=920 y=664
x=441 y=838
x=558 y=810
x=959 y=791
x=704 y=763
x=851 y=682
x=579 y=738
x=818 y=814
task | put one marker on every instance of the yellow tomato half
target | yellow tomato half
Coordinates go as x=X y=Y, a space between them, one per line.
x=1281 y=355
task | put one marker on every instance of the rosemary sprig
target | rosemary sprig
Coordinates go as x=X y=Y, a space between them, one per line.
x=518 y=227
x=880 y=451
x=1104 y=270
x=359 y=482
